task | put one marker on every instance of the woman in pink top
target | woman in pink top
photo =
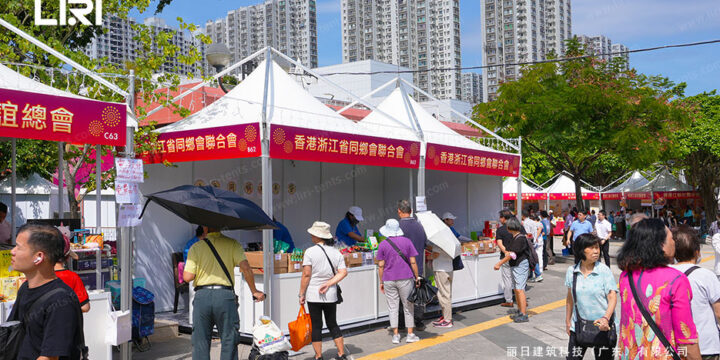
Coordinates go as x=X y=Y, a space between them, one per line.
x=663 y=291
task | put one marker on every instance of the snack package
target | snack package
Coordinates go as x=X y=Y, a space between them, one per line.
x=93 y=241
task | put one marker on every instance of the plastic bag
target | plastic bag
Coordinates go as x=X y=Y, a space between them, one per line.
x=118 y=329
x=424 y=294
x=300 y=330
x=268 y=338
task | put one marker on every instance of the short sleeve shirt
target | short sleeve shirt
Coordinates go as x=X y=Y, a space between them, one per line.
x=706 y=291
x=603 y=228
x=343 y=229
x=667 y=294
x=414 y=231
x=322 y=272
x=72 y=280
x=395 y=267
x=592 y=291
x=53 y=329
x=205 y=266
x=578 y=228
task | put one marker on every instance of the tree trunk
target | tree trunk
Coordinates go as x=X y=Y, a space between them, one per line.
x=579 y=203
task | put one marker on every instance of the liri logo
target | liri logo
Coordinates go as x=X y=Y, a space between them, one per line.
x=79 y=13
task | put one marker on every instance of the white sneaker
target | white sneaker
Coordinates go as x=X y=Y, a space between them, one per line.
x=411 y=338
x=396 y=339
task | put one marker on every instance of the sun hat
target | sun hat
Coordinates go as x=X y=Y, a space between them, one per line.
x=391 y=228
x=357 y=212
x=448 y=215
x=321 y=230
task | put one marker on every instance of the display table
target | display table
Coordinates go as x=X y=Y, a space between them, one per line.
x=363 y=302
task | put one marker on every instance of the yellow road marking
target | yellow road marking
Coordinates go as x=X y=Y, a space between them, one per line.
x=707 y=259
x=455 y=334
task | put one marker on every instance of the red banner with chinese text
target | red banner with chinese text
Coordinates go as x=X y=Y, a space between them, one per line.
x=451 y=158
x=669 y=195
x=29 y=115
x=294 y=143
x=525 y=196
x=628 y=195
x=225 y=142
x=571 y=196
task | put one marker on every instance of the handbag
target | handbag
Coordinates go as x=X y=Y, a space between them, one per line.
x=339 y=291
x=586 y=333
x=423 y=294
x=649 y=320
x=458 y=264
x=300 y=330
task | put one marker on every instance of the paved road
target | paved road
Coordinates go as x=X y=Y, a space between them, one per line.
x=485 y=333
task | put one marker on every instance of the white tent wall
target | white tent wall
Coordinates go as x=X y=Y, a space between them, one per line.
x=27 y=206
x=107 y=221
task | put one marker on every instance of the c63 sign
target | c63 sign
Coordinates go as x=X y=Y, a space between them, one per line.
x=30 y=115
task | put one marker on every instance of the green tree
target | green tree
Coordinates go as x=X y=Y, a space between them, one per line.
x=698 y=148
x=156 y=49
x=578 y=111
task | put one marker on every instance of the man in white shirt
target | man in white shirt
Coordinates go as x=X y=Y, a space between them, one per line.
x=604 y=231
x=5 y=227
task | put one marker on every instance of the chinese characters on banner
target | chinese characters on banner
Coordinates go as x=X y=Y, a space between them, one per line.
x=525 y=196
x=450 y=158
x=571 y=196
x=295 y=143
x=676 y=195
x=226 y=142
x=30 y=115
x=129 y=170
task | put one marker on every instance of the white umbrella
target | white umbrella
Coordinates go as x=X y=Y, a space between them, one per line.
x=439 y=233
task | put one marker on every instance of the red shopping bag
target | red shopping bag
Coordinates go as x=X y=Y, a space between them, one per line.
x=300 y=330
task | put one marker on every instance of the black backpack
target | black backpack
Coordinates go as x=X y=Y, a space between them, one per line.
x=531 y=254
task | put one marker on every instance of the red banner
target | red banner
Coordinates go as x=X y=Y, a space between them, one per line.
x=450 y=158
x=668 y=195
x=571 y=196
x=612 y=196
x=294 y=143
x=225 y=142
x=29 y=115
x=525 y=196
x=627 y=195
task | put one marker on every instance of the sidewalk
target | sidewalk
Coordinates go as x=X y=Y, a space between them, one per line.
x=485 y=333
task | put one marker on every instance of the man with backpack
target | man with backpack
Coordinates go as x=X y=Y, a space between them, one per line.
x=48 y=309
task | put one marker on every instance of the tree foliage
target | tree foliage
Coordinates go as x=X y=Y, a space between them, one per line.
x=156 y=49
x=698 y=148
x=580 y=112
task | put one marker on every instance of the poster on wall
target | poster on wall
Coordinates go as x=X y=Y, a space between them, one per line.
x=127 y=193
x=129 y=215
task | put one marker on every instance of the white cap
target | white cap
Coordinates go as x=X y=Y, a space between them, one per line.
x=448 y=215
x=391 y=228
x=357 y=212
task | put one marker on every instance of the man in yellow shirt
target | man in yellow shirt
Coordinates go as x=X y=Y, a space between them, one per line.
x=215 y=302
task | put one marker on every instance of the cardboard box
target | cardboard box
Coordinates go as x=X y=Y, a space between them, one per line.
x=255 y=258
x=295 y=266
x=367 y=258
x=353 y=259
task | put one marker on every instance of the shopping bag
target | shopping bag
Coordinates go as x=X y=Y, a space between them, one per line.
x=268 y=338
x=300 y=330
x=423 y=294
x=118 y=329
x=11 y=335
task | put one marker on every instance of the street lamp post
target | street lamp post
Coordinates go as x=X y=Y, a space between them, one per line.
x=218 y=56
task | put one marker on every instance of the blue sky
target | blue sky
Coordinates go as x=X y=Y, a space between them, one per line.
x=635 y=23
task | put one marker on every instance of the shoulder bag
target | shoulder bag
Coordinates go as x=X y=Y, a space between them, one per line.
x=339 y=291
x=650 y=320
x=423 y=294
x=586 y=333
x=531 y=253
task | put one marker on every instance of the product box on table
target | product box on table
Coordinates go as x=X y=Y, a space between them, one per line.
x=353 y=259
x=281 y=262
x=295 y=266
x=368 y=258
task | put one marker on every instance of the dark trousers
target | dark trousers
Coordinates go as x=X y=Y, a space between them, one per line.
x=545 y=255
x=418 y=316
x=576 y=352
x=605 y=251
x=215 y=307
x=317 y=310
x=551 y=242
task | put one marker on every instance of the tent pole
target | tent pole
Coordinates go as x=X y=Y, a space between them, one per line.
x=410 y=195
x=267 y=192
x=61 y=177
x=518 y=210
x=126 y=232
x=13 y=191
x=98 y=213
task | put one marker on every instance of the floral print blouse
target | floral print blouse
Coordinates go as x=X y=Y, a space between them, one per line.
x=666 y=293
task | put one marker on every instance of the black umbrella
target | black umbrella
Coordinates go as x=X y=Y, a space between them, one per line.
x=212 y=207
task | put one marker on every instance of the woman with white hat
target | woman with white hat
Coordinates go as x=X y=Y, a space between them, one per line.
x=323 y=269
x=398 y=275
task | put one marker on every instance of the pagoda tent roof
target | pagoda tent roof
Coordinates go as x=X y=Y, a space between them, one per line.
x=631 y=184
x=564 y=184
x=510 y=187
x=33 y=184
x=665 y=181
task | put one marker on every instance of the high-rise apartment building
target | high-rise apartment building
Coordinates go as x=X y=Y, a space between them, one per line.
x=604 y=47
x=119 y=46
x=418 y=34
x=290 y=26
x=519 y=31
x=472 y=87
